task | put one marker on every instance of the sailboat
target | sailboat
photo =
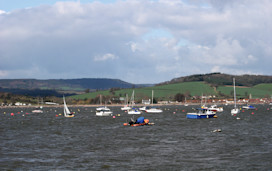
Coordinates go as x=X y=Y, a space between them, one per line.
x=133 y=111
x=235 y=110
x=101 y=107
x=185 y=103
x=126 y=107
x=66 y=111
x=38 y=109
x=103 y=110
x=153 y=109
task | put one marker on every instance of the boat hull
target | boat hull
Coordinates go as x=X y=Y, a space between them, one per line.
x=103 y=113
x=69 y=116
x=153 y=110
x=134 y=112
x=235 y=111
x=199 y=116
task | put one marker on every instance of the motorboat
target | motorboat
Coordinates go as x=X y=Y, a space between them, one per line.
x=201 y=114
x=134 y=111
x=248 y=107
x=153 y=110
x=215 y=108
x=103 y=112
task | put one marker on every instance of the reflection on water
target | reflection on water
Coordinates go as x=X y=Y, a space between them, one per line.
x=50 y=141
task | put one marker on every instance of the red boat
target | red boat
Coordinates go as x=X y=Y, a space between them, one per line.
x=141 y=121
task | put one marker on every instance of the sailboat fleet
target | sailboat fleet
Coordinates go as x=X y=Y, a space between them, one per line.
x=202 y=112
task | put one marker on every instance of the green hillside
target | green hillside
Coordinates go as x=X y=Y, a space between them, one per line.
x=162 y=92
x=258 y=91
x=168 y=91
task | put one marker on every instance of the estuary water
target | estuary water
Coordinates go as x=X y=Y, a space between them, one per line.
x=49 y=141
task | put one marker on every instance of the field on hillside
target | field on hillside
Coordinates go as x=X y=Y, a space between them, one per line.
x=167 y=92
x=164 y=92
x=257 y=91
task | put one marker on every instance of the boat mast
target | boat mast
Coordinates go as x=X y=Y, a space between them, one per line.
x=234 y=93
x=132 y=99
x=152 y=96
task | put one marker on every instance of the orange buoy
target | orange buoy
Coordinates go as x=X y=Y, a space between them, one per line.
x=113 y=117
x=146 y=121
x=252 y=113
x=125 y=124
x=12 y=114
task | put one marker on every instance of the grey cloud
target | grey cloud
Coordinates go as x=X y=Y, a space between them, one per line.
x=73 y=40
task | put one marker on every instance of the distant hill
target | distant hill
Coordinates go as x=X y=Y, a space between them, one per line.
x=35 y=87
x=58 y=87
x=218 y=79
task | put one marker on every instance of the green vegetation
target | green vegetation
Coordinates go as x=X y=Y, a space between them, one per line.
x=258 y=91
x=162 y=92
x=87 y=91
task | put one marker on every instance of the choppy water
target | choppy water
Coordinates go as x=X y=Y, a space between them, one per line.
x=87 y=142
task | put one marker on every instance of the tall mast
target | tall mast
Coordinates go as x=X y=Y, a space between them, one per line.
x=152 y=96
x=234 y=93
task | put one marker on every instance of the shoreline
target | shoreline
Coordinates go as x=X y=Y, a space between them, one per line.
x=120 y=105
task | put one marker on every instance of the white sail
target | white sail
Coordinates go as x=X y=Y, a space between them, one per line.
x=66 y=111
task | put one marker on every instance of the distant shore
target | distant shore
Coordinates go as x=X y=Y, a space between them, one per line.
x=120 y=105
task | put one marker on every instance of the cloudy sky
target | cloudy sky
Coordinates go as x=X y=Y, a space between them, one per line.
x=138 y=41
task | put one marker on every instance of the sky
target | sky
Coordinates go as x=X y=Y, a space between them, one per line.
x=138 y=41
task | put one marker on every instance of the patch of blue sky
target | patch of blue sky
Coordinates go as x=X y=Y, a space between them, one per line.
x=183 y=42
x=202 y=4
x=10 y=5
x=161 y=33
x=156 y=34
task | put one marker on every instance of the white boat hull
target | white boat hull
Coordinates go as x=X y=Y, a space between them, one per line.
x=235 y=111
x=125 y=108
x=103 y=113
x=134 y=112
x=153 y=110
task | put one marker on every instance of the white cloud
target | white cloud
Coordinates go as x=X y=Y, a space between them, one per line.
x=2 y=12
x=105 y=57
x=148 y=41
x=3 y=73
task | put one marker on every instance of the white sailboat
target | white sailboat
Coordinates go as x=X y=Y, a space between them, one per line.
x=38 y=109
x=66 y=111
x=133 y=111
x=126 y=107
x=101 y=107
x=235 y=110
x=153 y=109
x=103 y=110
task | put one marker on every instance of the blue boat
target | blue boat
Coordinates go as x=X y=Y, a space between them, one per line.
x=249 y=107
x=201 y=114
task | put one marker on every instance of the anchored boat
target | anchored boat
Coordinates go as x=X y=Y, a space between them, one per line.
x=201 y=114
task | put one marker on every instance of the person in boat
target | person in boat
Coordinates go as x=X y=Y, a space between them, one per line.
x=131 y=122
